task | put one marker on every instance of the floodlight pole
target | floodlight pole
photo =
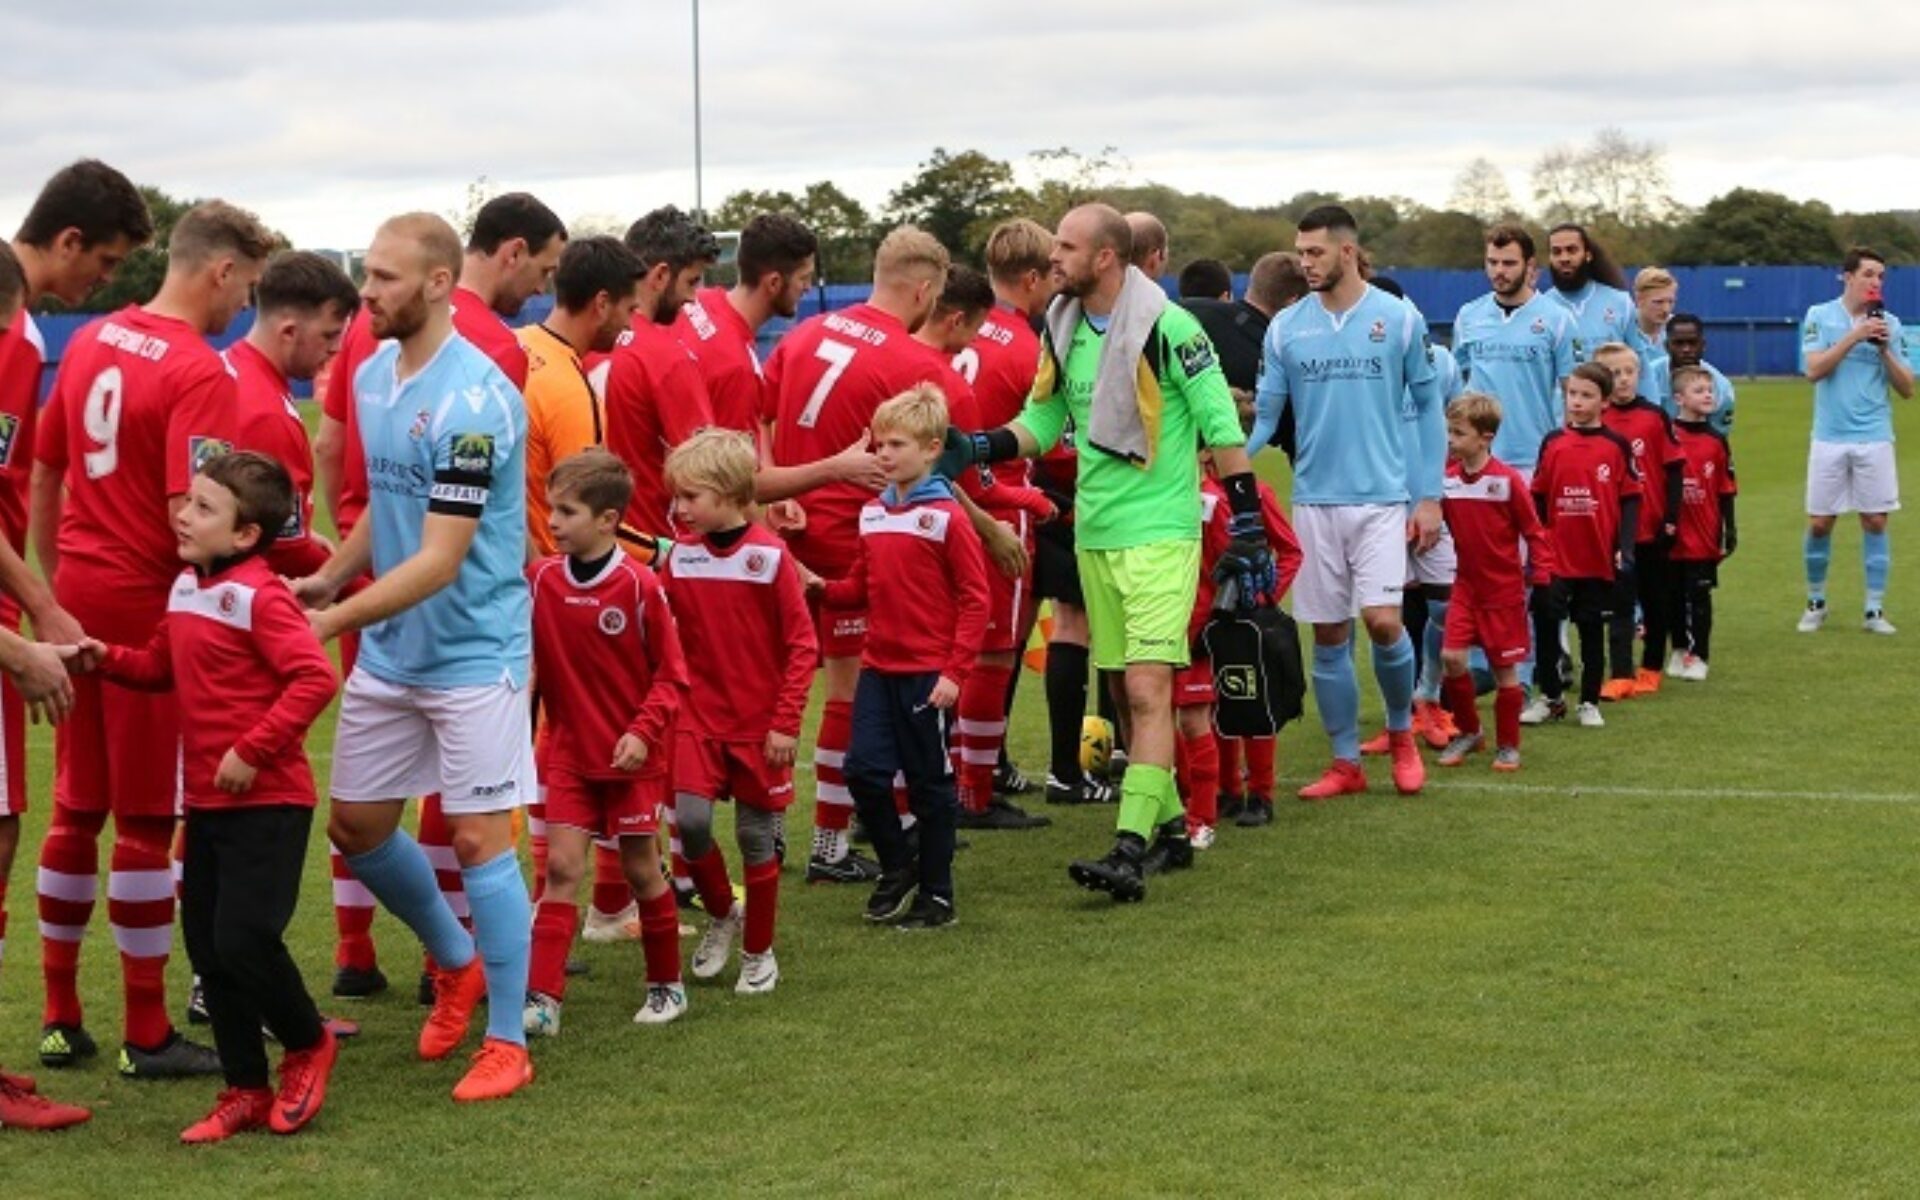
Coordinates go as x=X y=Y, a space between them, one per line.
x=699 y=197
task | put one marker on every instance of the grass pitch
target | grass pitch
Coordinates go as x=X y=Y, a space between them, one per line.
x=1673 y=956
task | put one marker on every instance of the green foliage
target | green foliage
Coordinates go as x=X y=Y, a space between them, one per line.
x=847 y=234
x=1748 y=226
x=958 y=198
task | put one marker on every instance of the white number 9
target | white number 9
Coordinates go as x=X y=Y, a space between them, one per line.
x=101 y=418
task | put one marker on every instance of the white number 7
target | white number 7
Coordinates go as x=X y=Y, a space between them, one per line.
x=100 y=415
x=838 y=356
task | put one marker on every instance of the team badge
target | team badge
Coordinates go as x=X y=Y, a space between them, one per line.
x=1377 y=332
x=9 y=429
x=203 y=450
x=227 y=603
x=1603 y=472
x=926 y=522
x=1538 y=325
x=1811 y=332
x=418 y=429
x=1706 y=469
x=1639 y=447
x=472 y=452
x=613 y=622
x=1608 y=315
x=1196 y=355
x=756 y=562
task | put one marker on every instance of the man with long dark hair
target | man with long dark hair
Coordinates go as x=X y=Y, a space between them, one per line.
x=1591 y=286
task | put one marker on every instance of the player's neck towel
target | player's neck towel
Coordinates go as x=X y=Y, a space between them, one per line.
x=1126 y=393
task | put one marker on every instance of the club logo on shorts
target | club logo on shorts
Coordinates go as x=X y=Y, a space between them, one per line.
x=613 y=622
x=756 y=562
x=418 y=429
x=1238 y=682
x=472 y=452
x=203 y=450
x=1377 y=332
x=9 y=428
x=227 y=602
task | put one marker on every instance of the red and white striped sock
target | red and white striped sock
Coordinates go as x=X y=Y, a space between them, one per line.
x=140 y=908
x=832 y=804
x=353 y=907
x=979 y=732
x=537 y=844
x=68 y=884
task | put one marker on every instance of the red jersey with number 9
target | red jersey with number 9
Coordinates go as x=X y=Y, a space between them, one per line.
x=140 y=402
x=823 y=382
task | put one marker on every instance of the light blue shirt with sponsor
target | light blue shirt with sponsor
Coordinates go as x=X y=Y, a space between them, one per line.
x=1518 y=358
x=1657 y=386
x=1850 y=404
x=1446 y=378
x=1353 y=379
x=1601 y=314
x=450 y=440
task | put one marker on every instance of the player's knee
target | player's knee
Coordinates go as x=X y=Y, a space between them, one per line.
x=1453 y=662
x=473 y=843
x=565 y=869
x=1069 y=624
x=1196 y=720
x=1820 y=526
x=348 y=831
x=693 y=817
x=640 y=858
x=1383 y=625
x=1873 y=522
x=756 y=833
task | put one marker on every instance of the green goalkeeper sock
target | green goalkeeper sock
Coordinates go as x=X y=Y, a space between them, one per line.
x=1146 y=792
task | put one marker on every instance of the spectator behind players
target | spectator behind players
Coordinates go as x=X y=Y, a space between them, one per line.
x=922 y=578
x=1489 y=513
x=742 y=612
x=250 y=678
x=1589 y=500
x=1206 y=279
x=612 y=682
x=1150 y=248
x=1706 y=530
x=1656 y=458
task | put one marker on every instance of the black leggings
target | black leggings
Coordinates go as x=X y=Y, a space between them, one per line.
x=239 y=885
x=1691 y=599
x=1586 y=602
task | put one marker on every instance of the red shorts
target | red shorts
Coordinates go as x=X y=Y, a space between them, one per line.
x=1009 y=601
x=606 y=808
x=716 y=770
x=842 y=631
x=119 y=750
x=1504 y=632
x=1193 y=684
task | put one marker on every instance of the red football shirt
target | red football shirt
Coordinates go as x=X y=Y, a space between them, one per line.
x=655 y=400
x=269 y=423
x=472 y=319
x=922 y=576
x=721 y=342
x=607 y=657
x=1706 y=475
x=1001 y=364
x=22 y=355
x=140 y=401
x=743 y=617
x=1585 y=475
x=823 y=382
x=250 y=677
x=1649 y=433
x=1488 y=513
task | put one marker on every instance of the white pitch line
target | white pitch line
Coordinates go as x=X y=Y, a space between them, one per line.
x=1574 y=791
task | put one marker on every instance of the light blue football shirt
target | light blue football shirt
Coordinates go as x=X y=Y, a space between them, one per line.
x=451 y=439
x=1657 y=386
x=1446 y=378
x=1601 y=314
x=1518 y=358
x=1850 y=404
x=1351 y=378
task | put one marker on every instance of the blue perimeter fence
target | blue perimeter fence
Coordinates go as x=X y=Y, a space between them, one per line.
x=1752 y=314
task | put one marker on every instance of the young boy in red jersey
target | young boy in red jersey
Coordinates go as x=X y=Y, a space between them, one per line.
x=1656 y=456
x=612 y=680
x=1197 y=757
x=1489 y=512
x=1706 y=530
x=922 y=577
x=250 y=676
x=1589 y=499
x=742 y=613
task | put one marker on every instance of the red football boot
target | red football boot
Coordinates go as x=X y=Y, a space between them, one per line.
x=1343 y=778
x=1409 y=771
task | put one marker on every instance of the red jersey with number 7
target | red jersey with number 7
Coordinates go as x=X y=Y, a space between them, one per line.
x=141 y=401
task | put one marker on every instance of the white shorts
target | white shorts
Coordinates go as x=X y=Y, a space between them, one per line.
x=1353 y=556
x=1436 y=566
x=470 y=744
x=1844 y=477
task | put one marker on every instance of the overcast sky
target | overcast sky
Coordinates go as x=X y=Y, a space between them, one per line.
x=328 y=121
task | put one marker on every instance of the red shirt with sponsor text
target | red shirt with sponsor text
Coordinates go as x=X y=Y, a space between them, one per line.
x=608 y=662
x=722 y=344
x=1705 y=475
x=1584 y=476
x=1649 y=433
x=250 y=676
x=473 y=319
x=269 y=423
x=1001 y=364
x=1489 y=512
x=140 y=401
x=656 y=399
x=743 y=617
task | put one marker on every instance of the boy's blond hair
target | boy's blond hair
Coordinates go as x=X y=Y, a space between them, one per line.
x=1615 y=350
x=720 y=460
x=920 y=412
x=1479 y=411
x=595 y=477
x=1686 y=375
x=1652 y=279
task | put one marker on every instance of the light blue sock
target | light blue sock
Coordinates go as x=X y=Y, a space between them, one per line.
x=398 y=874
x=1430 y=644
x=1818 y=552
x=1393 y=669
x=503 y=926
x=1336 y=692
x=1878 y=556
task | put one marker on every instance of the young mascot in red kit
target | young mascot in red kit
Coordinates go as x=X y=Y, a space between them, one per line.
x=250 y=678
x=613 y=680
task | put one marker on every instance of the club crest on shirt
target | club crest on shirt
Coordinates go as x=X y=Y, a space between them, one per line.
x=1538 y=325
x=227 y=602
x=1706 y=469
x=926 y=522
x=1377 y=332
x=1639 y=447
x=418 y=429
x=9 y=429
x=1603 y=472
x=203 y=450
x=472 y=452
x=756 y=562
x=613 y=622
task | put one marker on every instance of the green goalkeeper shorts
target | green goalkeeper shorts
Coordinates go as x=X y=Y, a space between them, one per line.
x=1139 y=602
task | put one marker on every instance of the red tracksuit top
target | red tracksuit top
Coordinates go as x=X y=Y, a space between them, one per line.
x=607 y=658
x=250 y=677
x=1215 y=513
x=922 y=576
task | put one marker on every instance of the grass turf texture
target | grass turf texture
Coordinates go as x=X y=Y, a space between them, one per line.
x=1638 y=965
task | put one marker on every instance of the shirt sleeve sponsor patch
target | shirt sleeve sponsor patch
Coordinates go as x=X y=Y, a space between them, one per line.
x=1196 y=356
x=472 y=454
x=9 y=430
x=202 y=450
x=463 y=483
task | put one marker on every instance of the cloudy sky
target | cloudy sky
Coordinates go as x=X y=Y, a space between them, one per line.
x=327 y=121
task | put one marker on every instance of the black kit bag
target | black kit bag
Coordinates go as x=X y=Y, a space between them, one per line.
x=1258 y=677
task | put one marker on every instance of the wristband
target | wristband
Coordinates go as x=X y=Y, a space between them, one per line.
x=995 y=445
x=1243 y=494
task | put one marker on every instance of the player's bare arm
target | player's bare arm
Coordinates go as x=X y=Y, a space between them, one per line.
x=444 y=541
x=856 y=465
x=329 y=463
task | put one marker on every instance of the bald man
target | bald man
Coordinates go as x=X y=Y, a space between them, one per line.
x=437 y=701
x=1150 y=250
